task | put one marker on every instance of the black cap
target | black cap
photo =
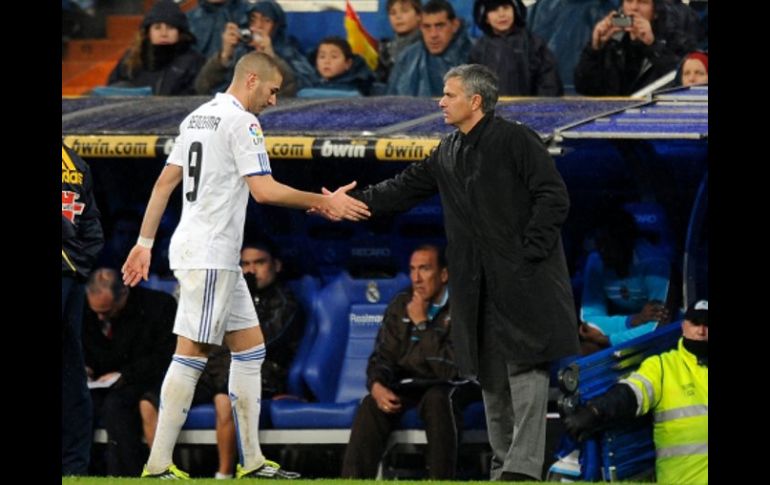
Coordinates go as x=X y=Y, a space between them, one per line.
x=698 y=313
x=168 y=12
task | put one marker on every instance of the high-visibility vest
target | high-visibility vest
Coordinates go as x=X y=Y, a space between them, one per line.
x=674 y=387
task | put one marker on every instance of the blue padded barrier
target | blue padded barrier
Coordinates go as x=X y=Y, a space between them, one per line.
x=624 y=451
x=598 y=371
x=627 y=451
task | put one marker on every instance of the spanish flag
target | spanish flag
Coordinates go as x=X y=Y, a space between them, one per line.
x=359 y=39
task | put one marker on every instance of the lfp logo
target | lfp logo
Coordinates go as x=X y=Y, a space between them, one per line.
x=255 y=131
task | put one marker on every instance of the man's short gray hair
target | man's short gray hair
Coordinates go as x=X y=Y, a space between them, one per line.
x=477 y=79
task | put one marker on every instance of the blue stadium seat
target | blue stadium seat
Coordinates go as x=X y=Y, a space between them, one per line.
x=349 y=312
x=306 y=289
x=203 y=416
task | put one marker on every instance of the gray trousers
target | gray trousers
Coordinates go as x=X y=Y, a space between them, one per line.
x=516 y=404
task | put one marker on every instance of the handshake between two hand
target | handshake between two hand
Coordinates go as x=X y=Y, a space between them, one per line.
x=338 y=205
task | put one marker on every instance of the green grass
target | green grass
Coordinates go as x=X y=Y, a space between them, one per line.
x=211 y=481
x=324 y=481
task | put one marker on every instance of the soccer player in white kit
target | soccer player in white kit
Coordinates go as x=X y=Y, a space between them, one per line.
x=220 y=158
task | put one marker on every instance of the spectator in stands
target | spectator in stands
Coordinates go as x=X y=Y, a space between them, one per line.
x=412 y=366
x=127 y=341
x=208 y=20
x=340 y=71
x=419 y=69
x=512 y=308
x=81 y=241
x=564 y=25
x=522 y=61
x=625 y=285
x=404 y=17
x=695 y=69
x=685 y=20
x=620 y=59
x=214 y=300
x=674 y=387
x=282 y=320
x=267 y=23
x=162 y=56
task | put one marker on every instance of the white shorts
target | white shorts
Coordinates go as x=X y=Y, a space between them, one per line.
x=212 y=302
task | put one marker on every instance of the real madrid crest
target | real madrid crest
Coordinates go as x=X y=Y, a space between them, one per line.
x=372 y=292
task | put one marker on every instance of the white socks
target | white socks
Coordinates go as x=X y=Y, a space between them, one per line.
x=245 y=388
x=175 y=397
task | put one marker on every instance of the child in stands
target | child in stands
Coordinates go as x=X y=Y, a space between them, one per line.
x=340 y=71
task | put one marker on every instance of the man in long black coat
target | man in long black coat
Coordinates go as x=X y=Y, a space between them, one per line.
x=504 y=203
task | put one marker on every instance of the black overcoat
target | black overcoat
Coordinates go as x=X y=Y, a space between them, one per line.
x=504 y=203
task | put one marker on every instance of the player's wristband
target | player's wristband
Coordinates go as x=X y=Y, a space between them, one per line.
x=145 y=242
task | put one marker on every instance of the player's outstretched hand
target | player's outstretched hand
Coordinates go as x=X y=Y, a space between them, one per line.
x=137 y=265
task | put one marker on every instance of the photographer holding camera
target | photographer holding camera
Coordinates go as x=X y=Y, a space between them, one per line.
x=632 y=47
x=637 y=26
x=266 y=32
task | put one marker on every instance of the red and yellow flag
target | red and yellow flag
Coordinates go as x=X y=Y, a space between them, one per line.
x=359 y=39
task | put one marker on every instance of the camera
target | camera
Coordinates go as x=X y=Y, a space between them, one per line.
x=622 y=20
x=245 y=35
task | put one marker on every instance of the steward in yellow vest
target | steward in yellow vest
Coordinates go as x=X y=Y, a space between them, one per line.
x=673 y=386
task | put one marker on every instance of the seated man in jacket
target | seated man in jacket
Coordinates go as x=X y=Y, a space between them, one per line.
x=412 y=365
x=127 y=343
x=674 y=387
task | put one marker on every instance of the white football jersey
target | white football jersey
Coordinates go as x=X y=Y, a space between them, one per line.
x=219 y=143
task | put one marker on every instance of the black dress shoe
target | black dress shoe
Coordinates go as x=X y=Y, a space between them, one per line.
x=516 y=477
